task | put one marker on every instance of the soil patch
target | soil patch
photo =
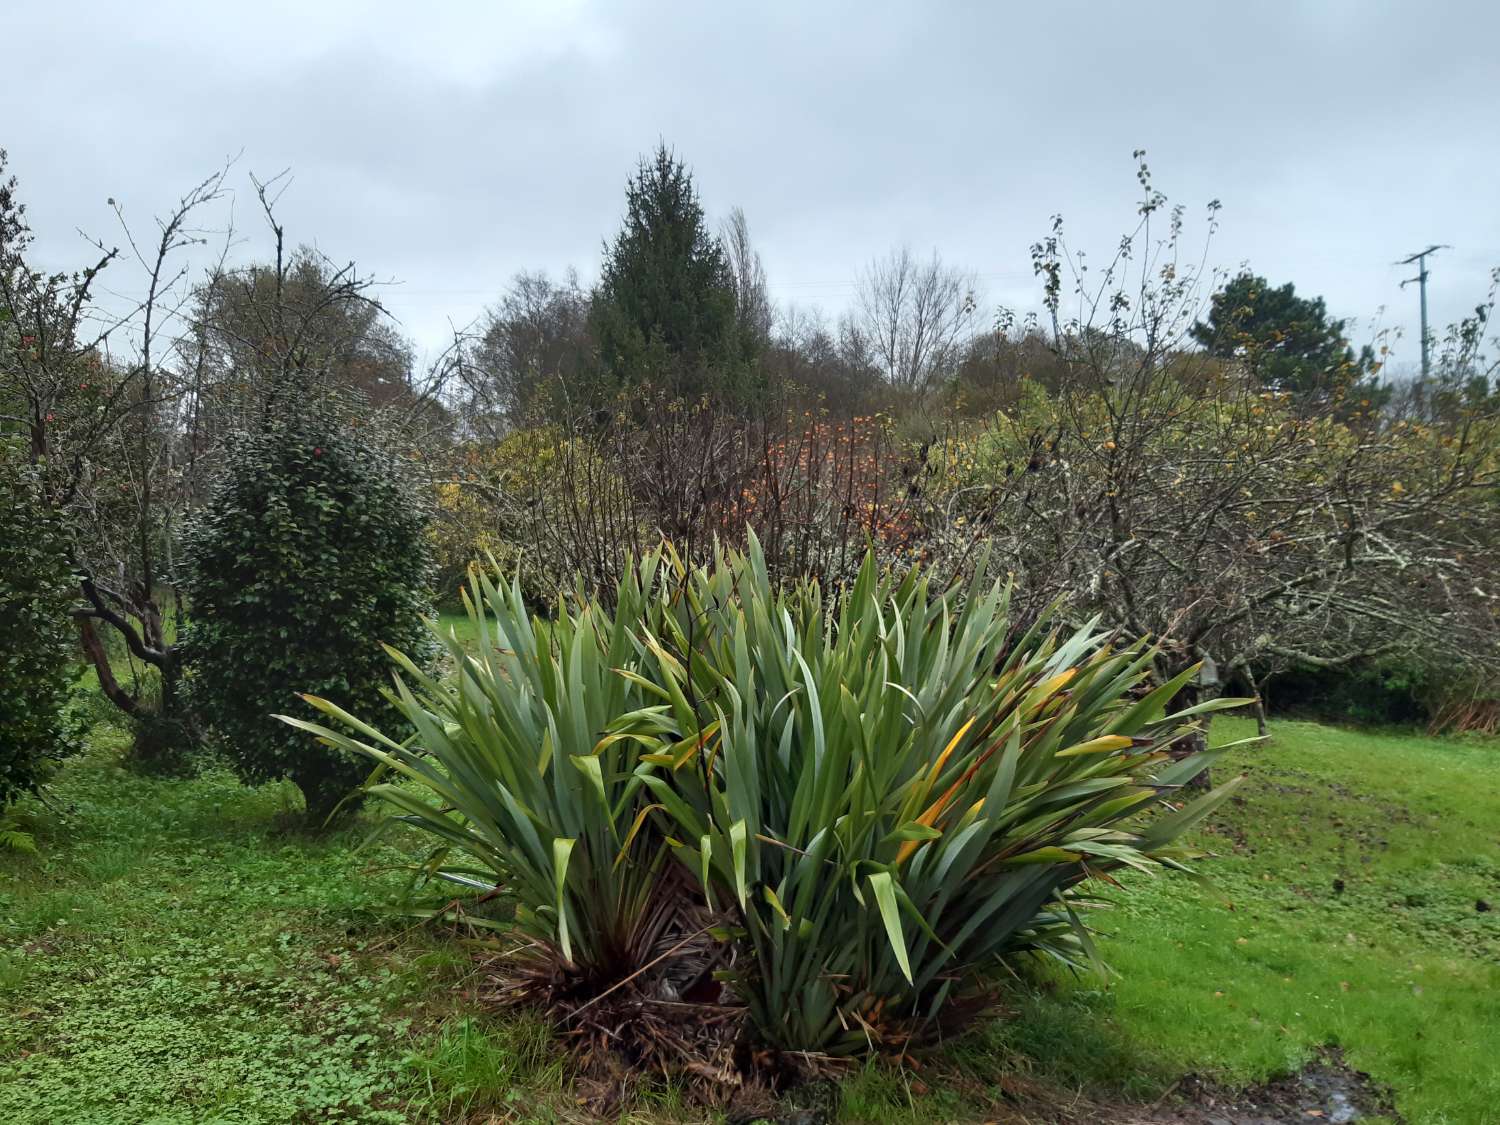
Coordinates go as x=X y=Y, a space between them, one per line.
x=1326 y=1090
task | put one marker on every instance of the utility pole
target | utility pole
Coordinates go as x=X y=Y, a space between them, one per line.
x=1420 y=257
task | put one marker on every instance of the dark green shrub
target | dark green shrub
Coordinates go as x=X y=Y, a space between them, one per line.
x=37 y=638
x=309 y=557
x=1368 y=693
x=164 y=745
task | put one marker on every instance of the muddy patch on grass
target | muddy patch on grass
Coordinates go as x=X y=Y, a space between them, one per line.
x=1326 y=1090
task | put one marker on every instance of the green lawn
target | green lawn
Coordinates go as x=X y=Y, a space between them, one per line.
x=461 y=625
x=1346 y=908
x=180 y=952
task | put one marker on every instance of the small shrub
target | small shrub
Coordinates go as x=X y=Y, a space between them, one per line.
x=487 y=506
x=1464 y=705
x=38 y=641
x=311 y=554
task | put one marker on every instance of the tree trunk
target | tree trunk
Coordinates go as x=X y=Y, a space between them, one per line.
x=1262 y=728
x=327 y=806
x=93 y=647
x=1242 y=675
x=1195 y=691
x=170 y=670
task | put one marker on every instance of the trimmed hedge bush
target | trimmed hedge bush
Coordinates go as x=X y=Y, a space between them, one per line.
x=312 y=554
x=38 y=642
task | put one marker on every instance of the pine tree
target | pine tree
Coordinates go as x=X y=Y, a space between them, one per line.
x=664 y=311
x=1287 y=342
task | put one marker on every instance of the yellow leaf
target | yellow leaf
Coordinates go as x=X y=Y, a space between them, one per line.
x=942 y=760
x=1101 y=745
x=1059 y=681
x=934 y=810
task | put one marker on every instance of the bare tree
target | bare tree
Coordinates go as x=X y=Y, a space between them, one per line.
x=299 y=327
x=125 y=409
x=534 y=344
x=913 y=317
x=752 y=302
x=1174 y=495
x=103 y=429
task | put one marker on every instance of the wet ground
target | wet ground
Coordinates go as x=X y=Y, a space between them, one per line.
x=1327 y=1090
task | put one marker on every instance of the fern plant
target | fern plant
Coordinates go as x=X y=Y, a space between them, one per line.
x=14 y=837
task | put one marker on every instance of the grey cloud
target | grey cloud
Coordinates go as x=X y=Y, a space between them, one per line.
x=451 y=149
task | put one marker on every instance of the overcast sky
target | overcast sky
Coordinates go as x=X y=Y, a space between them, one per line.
x=449 y=145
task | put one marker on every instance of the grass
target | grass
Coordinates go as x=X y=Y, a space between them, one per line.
x=180 y=952
x=462 y=625
x=1346 y=908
